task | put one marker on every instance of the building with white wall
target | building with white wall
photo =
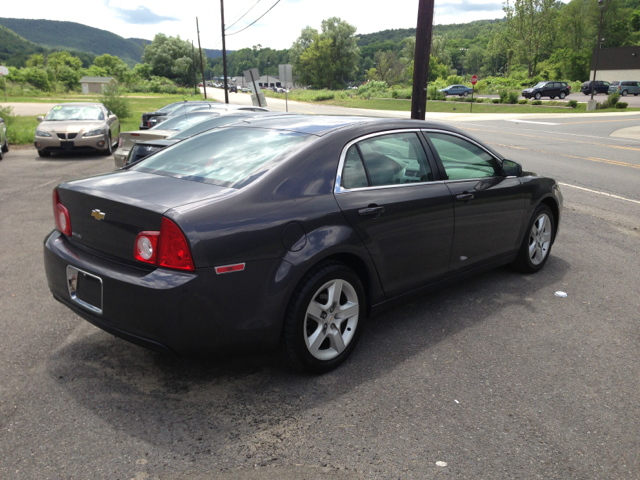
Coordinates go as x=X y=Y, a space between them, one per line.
x=620 y=63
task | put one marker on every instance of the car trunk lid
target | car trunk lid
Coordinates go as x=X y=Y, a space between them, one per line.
x=107 y=212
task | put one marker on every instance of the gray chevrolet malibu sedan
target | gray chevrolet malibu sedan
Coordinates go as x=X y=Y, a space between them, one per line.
x=76 y=126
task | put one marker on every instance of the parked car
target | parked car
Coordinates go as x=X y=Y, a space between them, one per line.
x=244 y=89
x=601 y=87
x=77 y=126
x=290 y=231
x=4 y=141
x=460 y=90
x=145 y=148
x=172 y=125
x=233 y=89
x=151 y=119
x=547 y=89
x=625 y=87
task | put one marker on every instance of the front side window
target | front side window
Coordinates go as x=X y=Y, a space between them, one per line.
x=229 y=157
x=462 y=159
x=383 y=160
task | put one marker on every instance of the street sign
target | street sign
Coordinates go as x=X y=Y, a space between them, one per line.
x=474 y=80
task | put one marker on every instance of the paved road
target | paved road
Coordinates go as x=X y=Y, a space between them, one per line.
x=497 y=377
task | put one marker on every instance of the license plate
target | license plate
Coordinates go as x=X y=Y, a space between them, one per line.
x=85 y=289
x=66 y=144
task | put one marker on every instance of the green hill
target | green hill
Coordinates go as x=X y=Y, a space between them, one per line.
x=14 y=50
x=74 y=36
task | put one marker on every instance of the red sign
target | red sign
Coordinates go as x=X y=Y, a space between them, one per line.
x=474 y=80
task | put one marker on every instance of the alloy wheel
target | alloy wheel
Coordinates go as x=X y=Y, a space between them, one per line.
x=540 y=239
x=331 y=319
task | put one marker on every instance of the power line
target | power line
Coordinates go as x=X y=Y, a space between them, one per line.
x=229 y=34
x=245 y=13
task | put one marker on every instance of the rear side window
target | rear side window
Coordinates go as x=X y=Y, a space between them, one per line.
x=230 y=157
x=462 y=159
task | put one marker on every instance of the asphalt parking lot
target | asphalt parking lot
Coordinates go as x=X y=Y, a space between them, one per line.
x=492 y=378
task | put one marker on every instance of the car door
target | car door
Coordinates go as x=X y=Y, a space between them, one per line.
x=391 y=195
x=488 y=206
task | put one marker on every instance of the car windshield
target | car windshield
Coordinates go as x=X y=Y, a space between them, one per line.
x=230 y=157
x=75 y=112
x=207 y=124
x=539 y=85
x=180 y=122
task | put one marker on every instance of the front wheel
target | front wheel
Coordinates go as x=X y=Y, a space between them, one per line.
x=536 y=245
x=5 y=147
x=109 y=149
x=625 y=93
x=324 y=319
x=562 y=95
x=538 y=96
x=43 y=154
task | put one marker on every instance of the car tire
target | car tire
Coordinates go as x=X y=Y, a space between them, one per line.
x=552 y=97
x=308 y=343
x=43 y=154
x=538 y=96
x=5 y=147
x=562 y=95
x=109 y=150
x=536 y=244
x=625 y=93
x=1 y=155
x=465 y=94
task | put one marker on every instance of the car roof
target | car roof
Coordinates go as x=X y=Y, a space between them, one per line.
x=80 y=104
x=321 y=125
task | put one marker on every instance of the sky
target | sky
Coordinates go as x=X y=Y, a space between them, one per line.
x=278 y=29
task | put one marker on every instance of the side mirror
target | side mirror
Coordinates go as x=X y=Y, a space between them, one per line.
x=511 y=168
x=40 y=118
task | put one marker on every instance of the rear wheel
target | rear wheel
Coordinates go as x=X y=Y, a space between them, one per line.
x=324 y=319
x=536 y=245
x=562 y=95
x=465 y=94
x=43 y=153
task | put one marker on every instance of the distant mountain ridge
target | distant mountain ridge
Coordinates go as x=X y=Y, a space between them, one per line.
x=54 y=34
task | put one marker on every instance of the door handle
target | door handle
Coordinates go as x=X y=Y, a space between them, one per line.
x=465 y=197
x=371 y=211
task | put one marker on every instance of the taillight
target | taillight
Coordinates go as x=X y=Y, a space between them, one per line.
x=166 y=248
x=61 y=215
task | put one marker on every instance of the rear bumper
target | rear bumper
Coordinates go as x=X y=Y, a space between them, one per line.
x=189 y=313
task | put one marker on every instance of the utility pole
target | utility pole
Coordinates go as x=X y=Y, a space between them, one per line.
x=601 y=4
x=195 y=80
x=204 y=83
x=421 y=59
x=224 y=55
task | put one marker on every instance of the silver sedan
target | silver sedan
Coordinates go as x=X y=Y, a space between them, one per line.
x=71 y=126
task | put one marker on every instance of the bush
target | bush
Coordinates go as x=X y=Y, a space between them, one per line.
x=503 y=95
x=610 y=102
x=323 y=95
x=536 y=102
x=454 y=79
x=112 y=98
x=512 y=98
x=480 y=100
x=495 y=100
x=523 y=101
x=622 y=105
x=572 y=103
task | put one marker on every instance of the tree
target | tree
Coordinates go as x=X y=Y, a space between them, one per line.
x=328 y=59
x=68 y=77
x=390 y=67
x=36 y=60
x=112 y=65
x=530 y=24
x=57 y=60
x=163 y=53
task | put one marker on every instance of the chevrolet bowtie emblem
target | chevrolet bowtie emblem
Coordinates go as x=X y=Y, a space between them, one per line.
x=97 y=214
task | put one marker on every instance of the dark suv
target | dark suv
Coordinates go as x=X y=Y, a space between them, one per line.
x=547 y=89
x=601 y=87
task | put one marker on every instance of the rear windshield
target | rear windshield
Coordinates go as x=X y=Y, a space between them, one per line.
x=615 y=83
x=229 y=157
x=207 y=124
x=180 y=122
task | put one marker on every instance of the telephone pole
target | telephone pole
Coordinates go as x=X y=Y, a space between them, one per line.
x=224 y=55
x=195 y=80
x=204 y=83
x=421 y=59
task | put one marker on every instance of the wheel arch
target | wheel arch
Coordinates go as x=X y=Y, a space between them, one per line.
x=555 y=210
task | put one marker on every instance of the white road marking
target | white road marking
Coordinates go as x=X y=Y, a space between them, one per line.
x=530 y=121
x=600 y=193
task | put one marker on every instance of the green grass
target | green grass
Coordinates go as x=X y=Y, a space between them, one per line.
x=21 y=129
